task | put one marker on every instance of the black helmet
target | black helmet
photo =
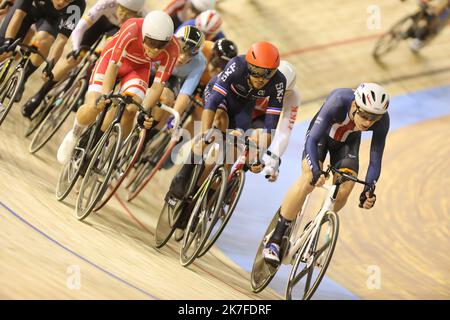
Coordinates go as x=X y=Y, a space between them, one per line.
x=223 y=51
x=191 y=38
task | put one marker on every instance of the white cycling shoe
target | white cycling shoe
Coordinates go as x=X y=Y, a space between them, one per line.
x=271 y=254
x=66 y=148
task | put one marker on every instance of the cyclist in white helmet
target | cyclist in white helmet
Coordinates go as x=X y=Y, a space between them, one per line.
x=336 y=128
x=104 y=17
x=210 y=23
x=129 y=56
x=280 y=141
x=184 y=10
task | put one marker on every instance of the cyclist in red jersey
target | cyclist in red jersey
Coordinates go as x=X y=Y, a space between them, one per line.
x=128 y=56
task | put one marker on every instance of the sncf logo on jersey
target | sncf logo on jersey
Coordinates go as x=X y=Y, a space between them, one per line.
x=228 y=71
x=280 y=91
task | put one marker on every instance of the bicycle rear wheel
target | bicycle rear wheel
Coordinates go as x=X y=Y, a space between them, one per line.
x=204 y=216
x=58 y=112
x=233 y=193
x=313 y=264
x=99 y=171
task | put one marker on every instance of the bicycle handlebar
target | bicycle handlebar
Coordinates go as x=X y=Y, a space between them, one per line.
x=347 y=176
x=128 y=99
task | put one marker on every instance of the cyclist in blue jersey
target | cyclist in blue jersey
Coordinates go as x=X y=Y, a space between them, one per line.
x=210 y=23
x=230 y=99
x=336 y=129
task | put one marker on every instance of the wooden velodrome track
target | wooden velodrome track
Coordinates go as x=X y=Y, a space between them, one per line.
x=405 y=235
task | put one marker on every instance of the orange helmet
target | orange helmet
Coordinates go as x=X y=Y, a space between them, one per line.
x=263 y=55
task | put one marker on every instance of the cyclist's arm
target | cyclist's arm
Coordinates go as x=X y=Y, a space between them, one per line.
x=190 y=84
x=376 y=150
x=219 y=92
x=100 y=8
x=321 y=127
x=285 y=124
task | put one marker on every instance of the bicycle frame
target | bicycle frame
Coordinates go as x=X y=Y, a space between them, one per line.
x=298 y=237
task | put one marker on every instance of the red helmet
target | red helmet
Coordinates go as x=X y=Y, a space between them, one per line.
x=263 y=55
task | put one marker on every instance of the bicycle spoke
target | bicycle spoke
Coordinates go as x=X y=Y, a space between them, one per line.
x=308 y=277
x=298 y=277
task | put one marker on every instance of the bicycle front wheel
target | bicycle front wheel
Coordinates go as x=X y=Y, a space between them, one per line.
x=99 y=171
x=310 y=267
x=9 y=91
x=204 y=216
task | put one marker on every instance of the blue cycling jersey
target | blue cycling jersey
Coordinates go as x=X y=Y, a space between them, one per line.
x=190 y=73
x=333 y=121
x=231 y=89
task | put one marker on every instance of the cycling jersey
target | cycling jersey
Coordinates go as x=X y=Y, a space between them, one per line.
x=217 y=36
x=101 y=9
x=230 y=90
x=126 y=50
x=190 y=73
x=43 y=14
x=332 y=129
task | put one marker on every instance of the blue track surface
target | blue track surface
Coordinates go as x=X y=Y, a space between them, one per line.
x=261 y=199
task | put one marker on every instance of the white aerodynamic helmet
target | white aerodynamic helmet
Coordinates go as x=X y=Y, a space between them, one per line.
x=289 y=73
x=209 y=22
x=133 y=5
x=372 y=98
x=157 y=25
x=203 y=5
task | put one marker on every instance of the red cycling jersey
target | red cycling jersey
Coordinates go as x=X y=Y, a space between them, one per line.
x=126 y=50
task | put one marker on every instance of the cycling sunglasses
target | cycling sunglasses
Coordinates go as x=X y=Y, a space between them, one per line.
x=367 y=115
x=156 y=44
x=258 y=72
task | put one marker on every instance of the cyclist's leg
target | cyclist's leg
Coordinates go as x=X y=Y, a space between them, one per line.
x=346 y=158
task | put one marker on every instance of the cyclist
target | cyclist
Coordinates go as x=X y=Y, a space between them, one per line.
x=187 y=71
x=129 y=55
x=210 y=23
x=437 y=12
x=232 y=94
x=184 y=10
x=54 y=21
x=291 y=103
x=105 y=17
x=336 y=128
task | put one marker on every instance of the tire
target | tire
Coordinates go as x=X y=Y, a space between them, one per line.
x=105 y=154
x=72 y=170
x=391 y=39
x=233 y=193
x=10 y=88
x=262 y=272
x=203 y=217
x=330 y=244
x=128 y=156
x=57 y=115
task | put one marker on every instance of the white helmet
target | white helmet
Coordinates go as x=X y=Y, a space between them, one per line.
x=289 y=73
x=372 y=98
x=209 y=22
x=133 y=5
x=203 y=5
x=157 y=25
